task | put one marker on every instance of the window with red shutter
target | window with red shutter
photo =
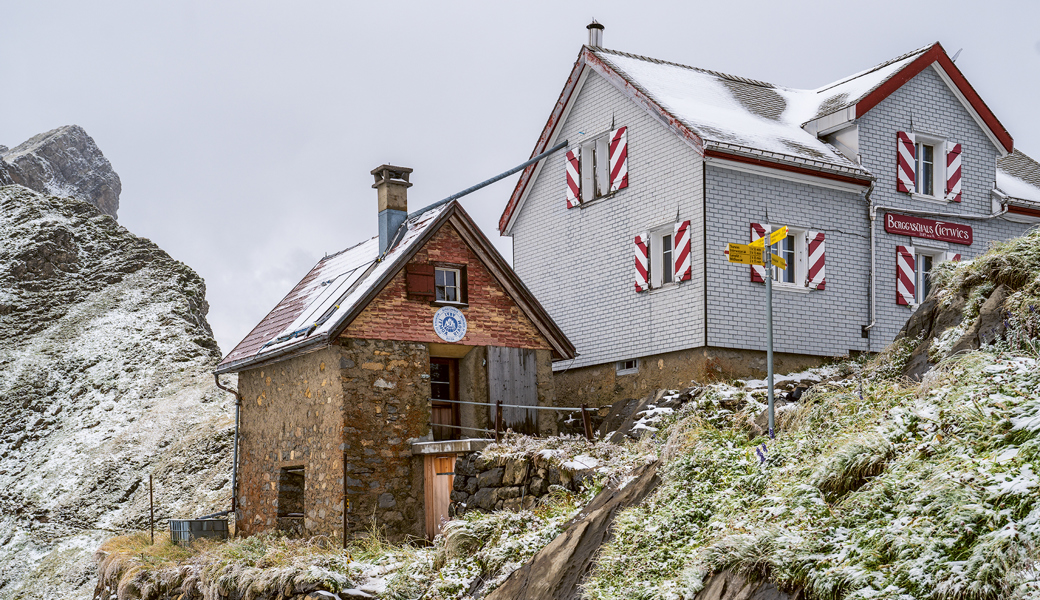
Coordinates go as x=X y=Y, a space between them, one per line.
x=420 y=281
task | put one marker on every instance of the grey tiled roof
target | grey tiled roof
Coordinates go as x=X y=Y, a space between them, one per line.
x=1019 y=165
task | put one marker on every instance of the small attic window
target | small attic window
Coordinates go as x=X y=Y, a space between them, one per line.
x=450 y=284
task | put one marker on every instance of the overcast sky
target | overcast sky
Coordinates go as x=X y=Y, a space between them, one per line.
x=244 y=132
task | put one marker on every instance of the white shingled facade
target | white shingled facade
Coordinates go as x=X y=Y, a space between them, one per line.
x=579 y=262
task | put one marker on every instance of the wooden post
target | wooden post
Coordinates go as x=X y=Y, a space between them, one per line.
x=586 y=421
x=498 y=419
x=151 y=509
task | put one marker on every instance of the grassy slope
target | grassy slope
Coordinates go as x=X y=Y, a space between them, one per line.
x=892 y=490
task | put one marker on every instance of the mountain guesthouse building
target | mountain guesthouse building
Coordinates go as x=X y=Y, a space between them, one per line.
x=360 y=387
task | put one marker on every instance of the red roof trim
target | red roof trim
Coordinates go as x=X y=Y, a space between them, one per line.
x=937 y=54
x=588 y=58
x=1021 y=210
x=711 y=153
x=543 y=140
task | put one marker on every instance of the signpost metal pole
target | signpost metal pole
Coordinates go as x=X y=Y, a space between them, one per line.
x=766 y=251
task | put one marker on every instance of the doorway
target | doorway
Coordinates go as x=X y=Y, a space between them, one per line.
x=444 y=386
x=439 y=478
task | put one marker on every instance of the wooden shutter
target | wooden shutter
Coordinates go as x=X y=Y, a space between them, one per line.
x=573 y=177
x=642 y=252
x=419 y=279
x=953 y=172
x=906 y=162
x=512 y=379
x=681 y=252
x=952 y=256
x=905 y=275
x=758 y=272
x=816 y=276
x=619 y=159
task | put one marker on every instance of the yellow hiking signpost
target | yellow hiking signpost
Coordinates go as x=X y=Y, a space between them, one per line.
x=757 y=253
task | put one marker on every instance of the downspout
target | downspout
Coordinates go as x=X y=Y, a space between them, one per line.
x=234 y=457
x=873 y=216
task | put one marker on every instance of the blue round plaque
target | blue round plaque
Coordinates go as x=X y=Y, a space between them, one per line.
x=450 y=324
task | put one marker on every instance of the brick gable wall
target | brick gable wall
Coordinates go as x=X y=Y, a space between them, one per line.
x=493 y=319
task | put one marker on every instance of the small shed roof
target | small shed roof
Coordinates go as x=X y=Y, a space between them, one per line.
x=1018 y=176
x=341 y=285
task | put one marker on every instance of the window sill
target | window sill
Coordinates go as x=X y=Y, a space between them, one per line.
x=455 y=304
x=932 y=199
x=588 y=203
x=664 y=288
x=627 y=372
x=790 y=287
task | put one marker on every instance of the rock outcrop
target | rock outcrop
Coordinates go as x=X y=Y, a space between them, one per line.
x=63 y=162
x=105 y=378
x=558 y=569
x=728 y=585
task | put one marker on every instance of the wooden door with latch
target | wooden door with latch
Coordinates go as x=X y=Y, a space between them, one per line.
x=438 y=479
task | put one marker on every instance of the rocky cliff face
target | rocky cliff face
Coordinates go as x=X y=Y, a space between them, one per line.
x=63 y=162
x=105 y=379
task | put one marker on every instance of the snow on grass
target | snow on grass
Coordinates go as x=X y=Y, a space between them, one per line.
x=911 y=492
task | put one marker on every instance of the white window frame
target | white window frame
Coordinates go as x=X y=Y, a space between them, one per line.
x=622 y=369
x=457 y=286
x=937 y=256
x=938 y=167
x=801 y=261
x=657 y=266
x=595 y=167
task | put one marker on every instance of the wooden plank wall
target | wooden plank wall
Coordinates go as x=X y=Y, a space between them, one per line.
x=512 y=379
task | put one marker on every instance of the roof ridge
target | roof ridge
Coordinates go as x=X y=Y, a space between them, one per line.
x=870 y=70
x=719 y=74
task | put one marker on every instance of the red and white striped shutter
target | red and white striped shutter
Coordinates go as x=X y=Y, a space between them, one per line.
x=816 y=278
x=642 y=247
x=573 y=177
x=905 y=275
x=906 y=161
x=952 y=256
x=619 y=159
x=681 y=252
x=953 y=172
x=758 y=272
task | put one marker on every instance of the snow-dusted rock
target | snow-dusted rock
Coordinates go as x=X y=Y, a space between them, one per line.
x=105 y=379
x=63 y=162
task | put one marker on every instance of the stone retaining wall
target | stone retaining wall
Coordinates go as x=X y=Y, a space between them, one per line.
x=500 y=483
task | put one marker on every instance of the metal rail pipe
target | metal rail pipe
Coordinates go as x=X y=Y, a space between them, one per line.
x=234 y=456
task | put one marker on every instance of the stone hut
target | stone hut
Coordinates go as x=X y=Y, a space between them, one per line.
x=385 y=362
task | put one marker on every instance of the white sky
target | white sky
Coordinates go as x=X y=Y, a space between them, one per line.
x=244 y=132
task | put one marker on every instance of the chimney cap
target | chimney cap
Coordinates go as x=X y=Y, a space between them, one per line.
x=594 y=25
x=388 y=173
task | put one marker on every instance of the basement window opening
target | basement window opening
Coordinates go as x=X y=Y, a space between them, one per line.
x=627 y=367
x=290 y=492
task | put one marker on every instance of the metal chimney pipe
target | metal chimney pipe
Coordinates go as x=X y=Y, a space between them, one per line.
x=595 y=34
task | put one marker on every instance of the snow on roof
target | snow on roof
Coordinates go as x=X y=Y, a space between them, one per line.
x=850 y=90
x=737 y=111
x=327 y=293
x=1018 y=176
x=731 y=110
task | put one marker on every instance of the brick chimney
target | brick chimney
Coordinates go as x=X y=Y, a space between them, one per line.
x=392 y=187
x=595 y=34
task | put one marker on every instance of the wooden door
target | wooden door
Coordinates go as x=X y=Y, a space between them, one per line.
x=438 y=479
x=444 y=385
x=513 y=379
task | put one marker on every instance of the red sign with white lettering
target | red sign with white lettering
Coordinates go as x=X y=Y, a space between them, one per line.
x=954 y=233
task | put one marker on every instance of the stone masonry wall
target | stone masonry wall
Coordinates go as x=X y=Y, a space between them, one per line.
x=501 y=483
x=291 y=416
x=385 y=406
x=493 y=319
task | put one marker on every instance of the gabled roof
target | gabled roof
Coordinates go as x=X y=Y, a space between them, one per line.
x=337 y=289
x=753 y=121
x=1018 y=176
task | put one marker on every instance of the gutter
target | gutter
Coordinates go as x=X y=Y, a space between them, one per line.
x=234 y=458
